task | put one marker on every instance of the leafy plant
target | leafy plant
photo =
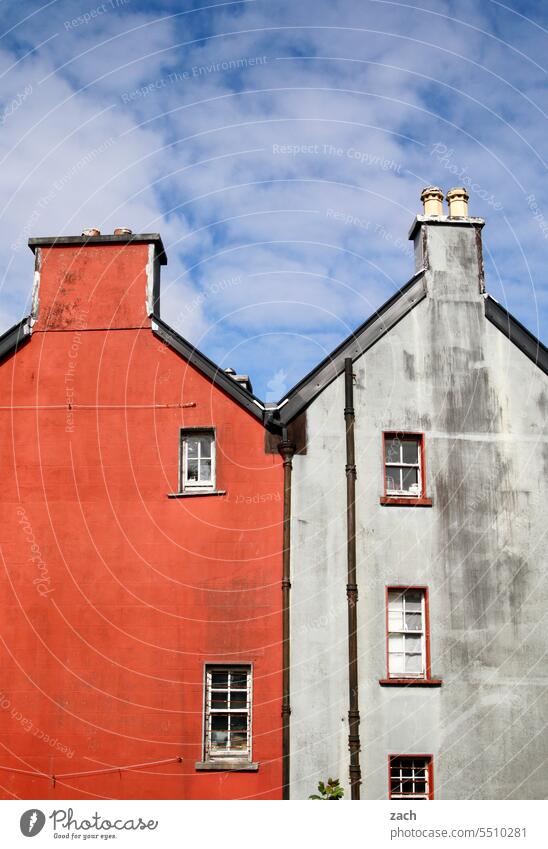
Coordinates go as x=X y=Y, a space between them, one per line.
x=332 y=791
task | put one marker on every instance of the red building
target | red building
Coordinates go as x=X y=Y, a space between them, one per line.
x=141 y=547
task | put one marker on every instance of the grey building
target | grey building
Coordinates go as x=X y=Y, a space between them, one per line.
x=450 y=402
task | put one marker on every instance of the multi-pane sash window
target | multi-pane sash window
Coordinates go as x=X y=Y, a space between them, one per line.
x=198 y=460
x=407 y=637
x=411 y=777
x=403 y=465
x=228 y=712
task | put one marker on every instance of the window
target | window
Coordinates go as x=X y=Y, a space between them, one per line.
x=402 y=460
x=404 y=470
x=408 y=638
x=407 y=655
x=411 y=777
x=228 y=713
x=197 y=460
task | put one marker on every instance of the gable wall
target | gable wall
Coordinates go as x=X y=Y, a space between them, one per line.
x=115 y=596
x=446 y=371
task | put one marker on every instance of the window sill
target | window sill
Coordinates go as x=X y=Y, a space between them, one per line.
x=226 y=766
x=410 y=682
x=402 y=501
x=197 y=493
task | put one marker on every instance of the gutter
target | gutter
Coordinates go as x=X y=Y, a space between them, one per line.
x=287 y=450
x=352 y=586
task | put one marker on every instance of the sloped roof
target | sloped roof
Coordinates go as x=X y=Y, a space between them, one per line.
x=15 y=337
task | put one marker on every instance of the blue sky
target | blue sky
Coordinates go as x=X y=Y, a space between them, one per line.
x=280 y=150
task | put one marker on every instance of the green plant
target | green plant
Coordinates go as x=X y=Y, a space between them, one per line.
x=332 y=791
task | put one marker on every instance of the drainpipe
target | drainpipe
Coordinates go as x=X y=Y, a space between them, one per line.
x=286 y=449
x=352 y=586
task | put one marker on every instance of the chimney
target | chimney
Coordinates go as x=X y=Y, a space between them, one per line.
x=96 y=282
x=458 y=202
x=448 y=247
x=242 y=379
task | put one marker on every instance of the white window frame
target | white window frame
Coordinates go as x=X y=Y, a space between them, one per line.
x=400 y=465
x=210 y=754
x=199 y=485
x=424 y=765
x=404 y=632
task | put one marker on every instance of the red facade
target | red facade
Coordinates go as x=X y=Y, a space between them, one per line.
x=114 y=596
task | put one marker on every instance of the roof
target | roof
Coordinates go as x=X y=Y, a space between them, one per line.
x=15 y=337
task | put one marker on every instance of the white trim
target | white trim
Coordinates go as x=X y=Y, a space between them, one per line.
x=403 y=632
x=400 y=465
x=150 y=272
x=186 y=485
x=230 y=757
x=423 y=767
x=35 y=297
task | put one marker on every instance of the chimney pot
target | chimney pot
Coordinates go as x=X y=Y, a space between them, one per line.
x=123 y=231
x=91 y=231
x=457 y=199
x=432 y=199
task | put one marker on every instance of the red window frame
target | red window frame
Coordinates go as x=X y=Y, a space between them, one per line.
x=421 y=500
x=430 y=764
x=423 y=680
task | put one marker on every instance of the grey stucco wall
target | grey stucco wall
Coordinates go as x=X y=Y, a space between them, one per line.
x=444 y=370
